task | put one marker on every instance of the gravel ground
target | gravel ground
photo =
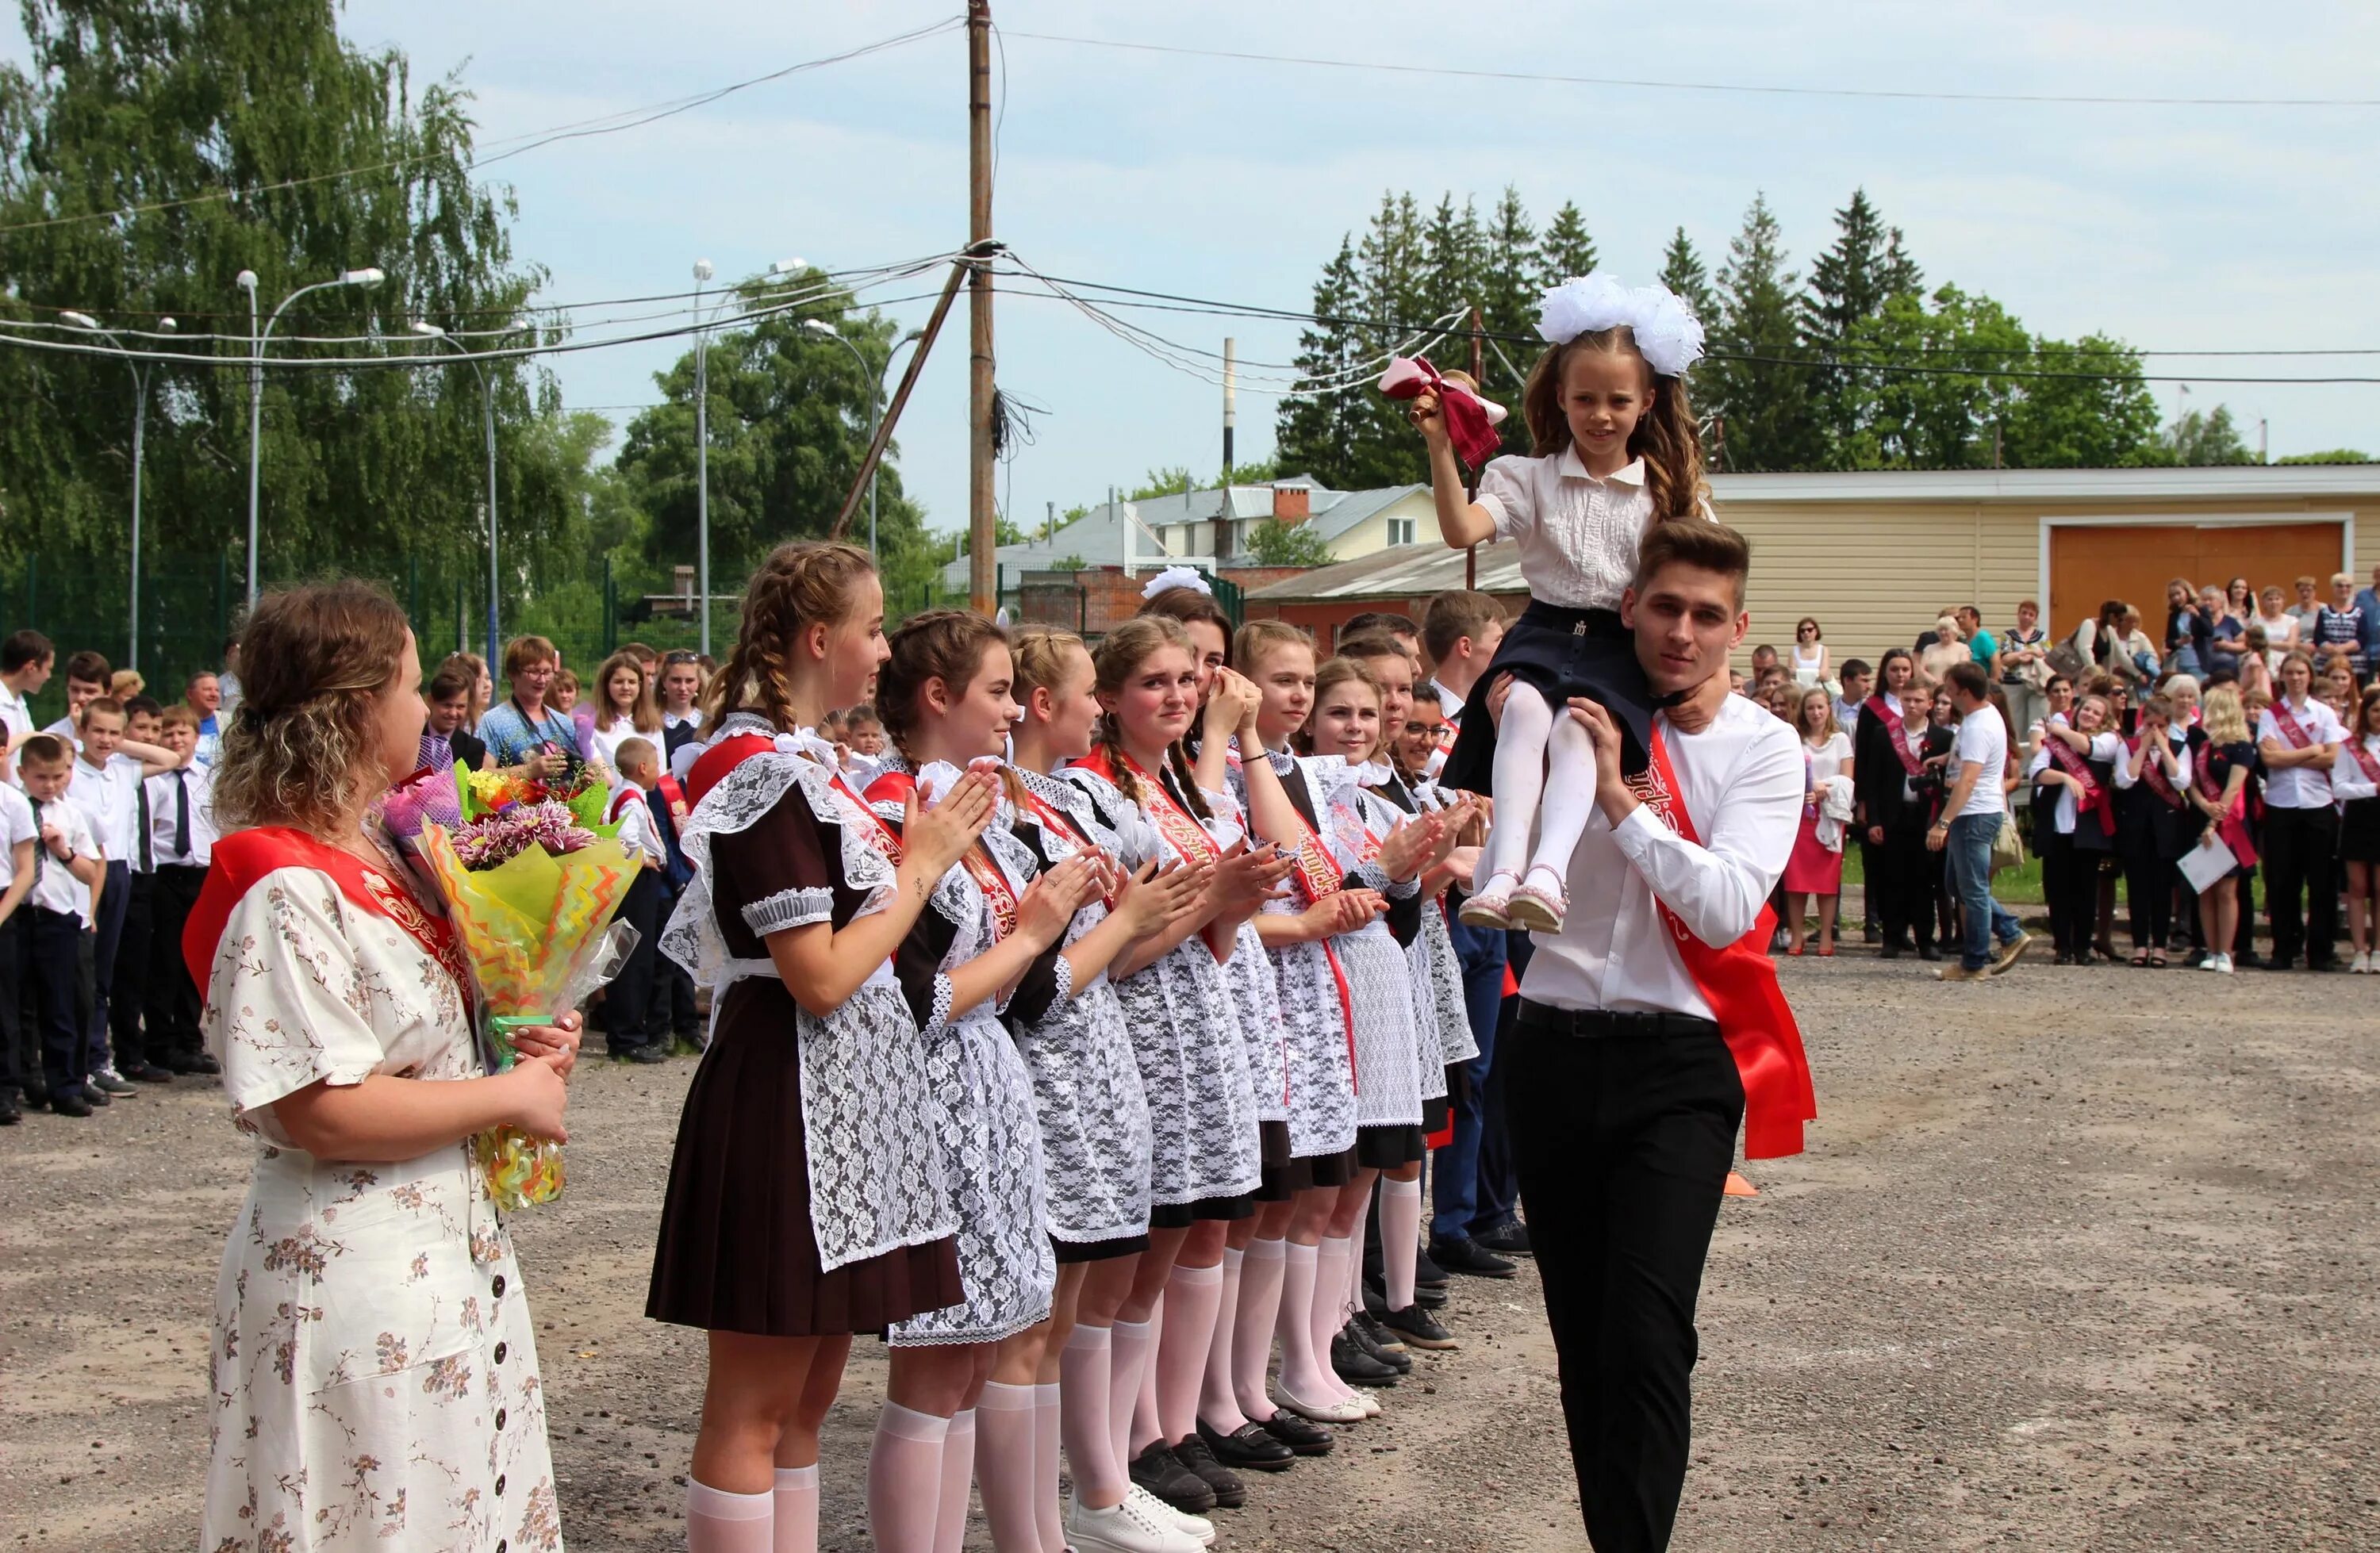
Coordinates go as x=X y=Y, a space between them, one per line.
x=2109 y=1288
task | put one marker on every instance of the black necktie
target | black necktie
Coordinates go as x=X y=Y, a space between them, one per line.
x=41 y=847
x=182 y=818
x=147 y=842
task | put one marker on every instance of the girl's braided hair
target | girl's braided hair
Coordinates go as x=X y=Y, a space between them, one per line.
x=806 y=583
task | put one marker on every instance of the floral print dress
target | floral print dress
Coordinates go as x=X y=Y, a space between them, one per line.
x=373 y=1381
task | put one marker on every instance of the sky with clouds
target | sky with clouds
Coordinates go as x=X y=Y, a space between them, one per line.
x=2175 y=228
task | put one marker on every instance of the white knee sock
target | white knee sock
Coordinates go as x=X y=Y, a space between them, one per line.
x=1048 y=1516
x=1145 y=1429
x=1328 y=1313
x=904 y=1479
x=1562 y=817
x=1519 y=777
x=958 y=1473
x=798 y=1509
x=1252 y=1329
x=1129 y=1356
x=1086 y=1370
x=1400 y=1239
x=718 y=1522
x=1006 y=1472
x=1303 y=1372
x=1217 y=1404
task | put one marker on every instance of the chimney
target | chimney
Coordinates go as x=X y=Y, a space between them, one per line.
x=1292 y=503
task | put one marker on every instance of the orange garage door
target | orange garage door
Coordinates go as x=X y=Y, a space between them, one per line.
x=2089 y=563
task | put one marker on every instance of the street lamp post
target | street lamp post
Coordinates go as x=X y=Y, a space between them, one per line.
x=141 y=369
x=875 y=380
x=256 y=343
x=488 y=419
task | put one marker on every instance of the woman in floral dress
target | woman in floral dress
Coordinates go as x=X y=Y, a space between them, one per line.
x=373 y=1380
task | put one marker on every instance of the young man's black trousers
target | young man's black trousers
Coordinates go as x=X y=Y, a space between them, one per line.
x=1623 y=1133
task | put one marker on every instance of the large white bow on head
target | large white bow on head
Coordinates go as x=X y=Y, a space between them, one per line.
x=1666 y=328
x=1177 y=577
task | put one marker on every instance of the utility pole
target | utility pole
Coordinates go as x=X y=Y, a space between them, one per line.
x=982 y=532
x=1478 y=377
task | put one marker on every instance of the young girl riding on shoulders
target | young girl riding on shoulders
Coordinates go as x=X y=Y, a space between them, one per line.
x=1615 y=451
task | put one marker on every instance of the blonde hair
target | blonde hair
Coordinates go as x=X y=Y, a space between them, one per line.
x=2222 y=716
x=1829 y=727
x=316 y=663
x=1040 y=654
x=1259 y=639
x=802 y=584
x=1668 y=439
x=1330 y=676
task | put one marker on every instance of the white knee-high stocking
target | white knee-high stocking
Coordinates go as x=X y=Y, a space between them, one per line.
x=1520 y=780
x=1561 y=820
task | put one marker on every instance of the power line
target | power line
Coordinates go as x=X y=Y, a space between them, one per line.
x=610 y=124
x=1641 y=83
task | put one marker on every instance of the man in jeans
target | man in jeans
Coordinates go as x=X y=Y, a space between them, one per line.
x=1971 y=817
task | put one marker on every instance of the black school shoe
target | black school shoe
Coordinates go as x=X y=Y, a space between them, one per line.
x=1302 y=1436
x=1158 y=1470
x=1356 y=1367
x=1378 y=1342
x=1250 y=1445
x=1418 y=1329
x=1469 y=1256
x=1508 y=1239
x=1192 y=1452
x=9 y=1114
x=69 y=1103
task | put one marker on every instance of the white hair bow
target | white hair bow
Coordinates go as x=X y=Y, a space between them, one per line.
x=1176 y=576
x=1666 y=328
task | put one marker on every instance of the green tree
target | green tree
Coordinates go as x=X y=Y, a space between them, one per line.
x=1163 y=482
x=1453 y=258
x=1315 y=429
x=131 y=105
x=2329 y=455
x=2106 y=420
x=1682 y=272
x=1510 y=296
x=1849 y=284
x=1565 y=250
x=1275 y=543
x=790 y=419
x=1757 y=387
x=2197 y=439
x=1951 y=392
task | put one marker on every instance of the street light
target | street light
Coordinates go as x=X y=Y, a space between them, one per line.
x=141 y=369
x=256 y=344
x=488 y=418
x=821 y=327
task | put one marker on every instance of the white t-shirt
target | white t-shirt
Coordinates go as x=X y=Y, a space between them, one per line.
x=54 y=886
x=110 y=801
x=1827 y=759
x=1983 y=741
x=2300 y=788
x=16 y=825
x=16 y=715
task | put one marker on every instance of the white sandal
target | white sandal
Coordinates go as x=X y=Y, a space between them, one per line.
x=1491 y=908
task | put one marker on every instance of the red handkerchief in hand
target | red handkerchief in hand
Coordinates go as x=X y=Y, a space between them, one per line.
x=1471 y=420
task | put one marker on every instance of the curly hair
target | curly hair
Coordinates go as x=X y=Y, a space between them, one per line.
x=1122 y=651
x=1669 y=439
x=316 y=663
x=802 y=584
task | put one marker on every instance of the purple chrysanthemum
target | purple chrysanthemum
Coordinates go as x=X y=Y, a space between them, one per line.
x=496 y=839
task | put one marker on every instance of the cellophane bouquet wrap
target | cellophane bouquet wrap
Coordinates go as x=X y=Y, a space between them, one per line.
x=532 y=881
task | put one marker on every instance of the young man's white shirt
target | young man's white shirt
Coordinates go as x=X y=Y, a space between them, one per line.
x=2300 y=788
x=199 y=781
x=1983 y=740
x=16 y=713
x=64 y=728
x=55 y=887
x=1741 y=780
x=16 y=825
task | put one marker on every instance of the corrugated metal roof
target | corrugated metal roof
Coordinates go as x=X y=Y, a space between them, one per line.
x=1406 y=572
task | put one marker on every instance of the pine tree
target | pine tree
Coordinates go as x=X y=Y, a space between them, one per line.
x=1565 y=250
x=1850 y=284
x=1510 y=295
x=1453 y=259
x=1758 y=388
x=1315 y=431
x=1392 y=293
x=1683 y=273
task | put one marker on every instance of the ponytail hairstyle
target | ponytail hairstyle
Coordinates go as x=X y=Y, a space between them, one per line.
x=947 y=645
x=1668 y=439
x=1122 y=653
x=1334 y=673
x=802 y=584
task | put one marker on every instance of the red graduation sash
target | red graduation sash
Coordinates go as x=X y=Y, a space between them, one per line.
x=1173 y=822
x=243 y=858
x=2154 y=774
x=2287 y=723
x=2089 y=796
x=1739 y=982
x=1316 y=877
x=1910 y=761
x=893 y=787
x=2367 y=761
x=2231 y=825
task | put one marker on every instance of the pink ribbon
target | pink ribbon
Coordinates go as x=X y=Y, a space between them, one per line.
x=1471 y=420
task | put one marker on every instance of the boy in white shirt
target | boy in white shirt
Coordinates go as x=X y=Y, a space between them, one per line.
x=88 y=678
x=66 y=872
x=106 y=789
x=627 y=1005
x=181 y=840
x=21 y=1054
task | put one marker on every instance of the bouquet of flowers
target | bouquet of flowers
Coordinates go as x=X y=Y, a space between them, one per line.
x=531 y=879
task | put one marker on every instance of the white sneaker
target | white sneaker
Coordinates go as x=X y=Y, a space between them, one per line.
x=1123 y=1528
x=2360 y=966
x=2224 y=964
x=1197 y=1528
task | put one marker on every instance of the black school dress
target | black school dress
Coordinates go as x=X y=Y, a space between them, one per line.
x=738 y=1248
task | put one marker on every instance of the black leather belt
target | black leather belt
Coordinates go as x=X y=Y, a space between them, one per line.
x=1599 y=1023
